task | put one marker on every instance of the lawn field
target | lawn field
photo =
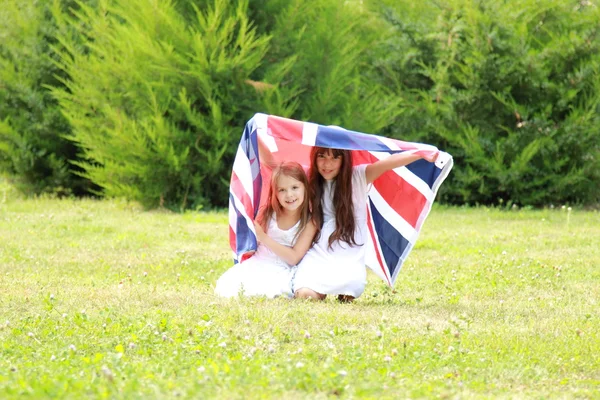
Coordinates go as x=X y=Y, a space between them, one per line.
x=100 y=299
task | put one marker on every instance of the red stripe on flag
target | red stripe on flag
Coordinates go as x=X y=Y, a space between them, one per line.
x=232 y=239
x=286 y=129
x=238 y=190
x=375 y=245
x=403 y=197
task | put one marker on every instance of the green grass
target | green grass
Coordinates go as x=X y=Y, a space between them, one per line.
x=101 y=299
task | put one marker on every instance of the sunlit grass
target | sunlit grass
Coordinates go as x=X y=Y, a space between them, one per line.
x=102 y=299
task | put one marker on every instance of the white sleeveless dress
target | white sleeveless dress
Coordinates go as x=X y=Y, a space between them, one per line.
x=341 y=268
x=263 y=274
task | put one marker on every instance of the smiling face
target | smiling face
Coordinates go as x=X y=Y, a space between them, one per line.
x=329 y=165
x=290 y=193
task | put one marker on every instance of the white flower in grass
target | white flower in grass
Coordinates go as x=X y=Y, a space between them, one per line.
x=51 y=296
x=30 y=334
x=72 y=347
x=394 y=352
x=65 y=315
x=53 y=358
x=299 y=364
x=387 y=359
x=342 y=373
x=164 y=337
x=145 y=273
x=222 y=344
x=378 y=334
x=201 y=369
x=306 y=335
x=107 y=373
x=132 y=345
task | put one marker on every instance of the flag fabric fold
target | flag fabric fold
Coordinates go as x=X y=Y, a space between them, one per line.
x=398 y=201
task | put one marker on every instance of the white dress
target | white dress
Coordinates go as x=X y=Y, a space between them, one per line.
x=263 y=274
x=341 y=269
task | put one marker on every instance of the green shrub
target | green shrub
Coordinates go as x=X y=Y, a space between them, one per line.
x=156 y=104
x=510 y=90
x=33 y=150
x=149 y=98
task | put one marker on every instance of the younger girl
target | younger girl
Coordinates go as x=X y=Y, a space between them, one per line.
x=284 y=231
x=336 y=263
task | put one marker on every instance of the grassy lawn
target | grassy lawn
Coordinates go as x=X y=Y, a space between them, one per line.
x=101 y=299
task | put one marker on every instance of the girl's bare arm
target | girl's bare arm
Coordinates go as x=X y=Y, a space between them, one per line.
x=374 y=171
x=291 y=255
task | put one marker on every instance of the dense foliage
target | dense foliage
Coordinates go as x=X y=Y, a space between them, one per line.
x=33 y=148
x=511 y=92
x=147 y=100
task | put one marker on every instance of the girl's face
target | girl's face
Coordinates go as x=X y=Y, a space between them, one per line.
x=290 y=193
x=329 y=165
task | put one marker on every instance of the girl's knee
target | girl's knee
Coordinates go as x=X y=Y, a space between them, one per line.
x=306 y=293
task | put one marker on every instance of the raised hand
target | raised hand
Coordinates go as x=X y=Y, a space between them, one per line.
x=431 y=156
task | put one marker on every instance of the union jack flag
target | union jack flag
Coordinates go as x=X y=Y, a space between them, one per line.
x=398 y=201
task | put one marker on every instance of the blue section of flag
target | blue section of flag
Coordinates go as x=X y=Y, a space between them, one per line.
x=392 y=243
x=423 y=169
x=254 y=166
x=337 y=138
x=245 y=238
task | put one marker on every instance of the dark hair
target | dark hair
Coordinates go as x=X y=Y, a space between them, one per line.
x=293 y=170
x=345 y=224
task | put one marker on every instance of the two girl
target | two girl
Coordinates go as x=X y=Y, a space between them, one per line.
x=285 y=232
x=336 y=229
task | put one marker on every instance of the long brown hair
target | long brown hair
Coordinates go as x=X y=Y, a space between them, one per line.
x=345 y=224
x=293 y=170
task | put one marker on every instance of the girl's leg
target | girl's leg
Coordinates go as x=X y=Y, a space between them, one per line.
x=306 y=293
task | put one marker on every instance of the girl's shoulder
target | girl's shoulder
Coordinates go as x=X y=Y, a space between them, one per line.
x=359 y=169
x=359 y=175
